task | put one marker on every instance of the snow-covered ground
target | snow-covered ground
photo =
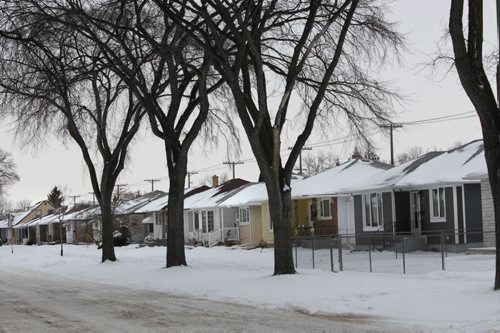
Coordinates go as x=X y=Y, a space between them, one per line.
x=443 y=300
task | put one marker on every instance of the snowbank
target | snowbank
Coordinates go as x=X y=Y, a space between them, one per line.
x=437 y=300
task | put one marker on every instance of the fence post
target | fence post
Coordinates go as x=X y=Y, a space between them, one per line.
x=312 y=247
x=341 y=263
x=442 y=250
x=403 y=250
x=331 y=254
x=370 y=253
x=395 y=242
x=296 y=257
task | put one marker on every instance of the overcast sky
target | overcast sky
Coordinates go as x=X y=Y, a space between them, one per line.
x=423 y=23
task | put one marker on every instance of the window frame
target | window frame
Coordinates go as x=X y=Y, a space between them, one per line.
x=240 y=220
x=321 y=215
x=380 y=211
x=441 y=198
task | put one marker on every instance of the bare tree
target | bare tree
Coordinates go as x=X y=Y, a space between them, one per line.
x=5 y=208
x=8 y=173
x=317 y=163
x=23 y=205
x=170 y=77
x=409 y=155
x=53 y=81
x=468 y=55
x=315 y=51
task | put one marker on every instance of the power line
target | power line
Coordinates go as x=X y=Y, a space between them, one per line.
x=152 y=181
x=234 y=166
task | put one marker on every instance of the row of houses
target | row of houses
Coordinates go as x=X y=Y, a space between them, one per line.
x=439 y=191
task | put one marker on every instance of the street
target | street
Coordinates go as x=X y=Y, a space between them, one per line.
x=45 y=303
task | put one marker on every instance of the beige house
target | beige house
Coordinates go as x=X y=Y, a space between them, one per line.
x=21 y=232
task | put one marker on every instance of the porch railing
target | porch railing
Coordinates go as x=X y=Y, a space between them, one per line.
x=212 y=238
x=232 y=234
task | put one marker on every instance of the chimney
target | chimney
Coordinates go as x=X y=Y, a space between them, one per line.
x=356 y=155
x=215 y=181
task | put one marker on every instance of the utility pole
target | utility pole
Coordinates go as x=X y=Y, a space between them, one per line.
x=118 y=186
x=233 y=165
x=391 y=128
x=74 y=199
x=152 y=181
x=93 y=198
x=189 y=174
x=300 y=158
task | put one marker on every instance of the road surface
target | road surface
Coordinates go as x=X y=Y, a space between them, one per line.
x=32 y=302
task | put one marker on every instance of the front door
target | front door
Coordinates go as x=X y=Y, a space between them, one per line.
x=415 y=213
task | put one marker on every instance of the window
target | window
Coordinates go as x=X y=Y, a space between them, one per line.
x=438 y=208
x=325 y=210
x=158 y=218
x=190 y=219
x=210 y=220
x=244 y=215
x=204 y=221
x=150 y=227
x=372 y=211
x=207 y=220
x=196 y=221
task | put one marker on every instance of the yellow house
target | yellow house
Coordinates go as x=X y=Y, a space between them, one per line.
x=20 y=234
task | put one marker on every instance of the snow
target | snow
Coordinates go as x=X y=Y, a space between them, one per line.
x=457 y=166
x=435 y=299
x=334 y=180
x=248 y=195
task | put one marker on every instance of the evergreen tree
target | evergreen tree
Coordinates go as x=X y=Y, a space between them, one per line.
x=55 y=197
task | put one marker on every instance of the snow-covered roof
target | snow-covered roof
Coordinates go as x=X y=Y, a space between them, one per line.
x=18 y=217
x=213 y=196
x=334 y=180
x=130 y=206
x=461 y=165
x=248 y=195
x=4 y=224
x=160 y=203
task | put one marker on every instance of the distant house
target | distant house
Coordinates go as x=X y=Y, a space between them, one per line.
x=320 y=204
x=81 y=225
x=125 y=215
x=21 y=232
x=153 y=215
x=249 y=207
x=208 y=222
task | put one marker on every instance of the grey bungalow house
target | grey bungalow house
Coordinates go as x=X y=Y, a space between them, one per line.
x=439 y=191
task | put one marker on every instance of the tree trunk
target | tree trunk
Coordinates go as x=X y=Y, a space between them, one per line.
x=108 y=246
x=280 y=204
x=176 y=255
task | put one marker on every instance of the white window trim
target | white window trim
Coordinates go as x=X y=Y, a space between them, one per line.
x=320 y=202
x=239 y=215
x=372 y=228
x=437 y=219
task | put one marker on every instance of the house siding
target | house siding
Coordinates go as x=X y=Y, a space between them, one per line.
x=267 y=234
x=473 y=214
x=432 y=229
x=364 y=237
x=488 y=213
x=256 y=220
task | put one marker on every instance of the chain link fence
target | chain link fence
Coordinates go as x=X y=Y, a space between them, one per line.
x=389 y=253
